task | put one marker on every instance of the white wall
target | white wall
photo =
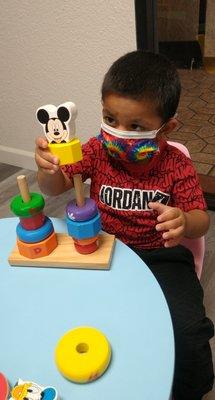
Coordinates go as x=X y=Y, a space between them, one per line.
x=53 y=51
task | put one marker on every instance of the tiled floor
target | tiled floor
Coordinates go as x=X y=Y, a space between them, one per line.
x=196 y=125
x=196 y=116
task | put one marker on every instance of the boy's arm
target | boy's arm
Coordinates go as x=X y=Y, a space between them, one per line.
x=196 y=223
x=177 y=224
x=187 y=218
x=55 y=184
x=51 y=179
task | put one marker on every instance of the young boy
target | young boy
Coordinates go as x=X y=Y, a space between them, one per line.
x=149 y=196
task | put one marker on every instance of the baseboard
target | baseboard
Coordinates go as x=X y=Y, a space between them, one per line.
x=20 y=158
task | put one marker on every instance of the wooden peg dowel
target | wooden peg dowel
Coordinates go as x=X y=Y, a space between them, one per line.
x=23 y=188
x=79 y=190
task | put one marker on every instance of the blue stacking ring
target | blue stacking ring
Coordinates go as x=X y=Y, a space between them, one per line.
x=84 y=229
x=36 y=235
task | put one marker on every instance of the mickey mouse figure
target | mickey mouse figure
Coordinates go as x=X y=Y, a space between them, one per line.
x=58 y=122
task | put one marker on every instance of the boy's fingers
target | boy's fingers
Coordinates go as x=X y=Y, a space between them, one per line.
x=168 y=215
x=48 y=171
x=170 y=243
x=174 y=234
x=45 y=163
x=170 y=224
x=46 y=155
x=159 y=207
x=41 y=142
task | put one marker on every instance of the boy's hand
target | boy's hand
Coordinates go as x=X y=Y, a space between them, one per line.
x=44 y=159
x=172 y=220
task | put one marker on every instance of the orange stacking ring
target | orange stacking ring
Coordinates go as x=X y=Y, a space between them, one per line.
x=83 y=242
x=38 y=249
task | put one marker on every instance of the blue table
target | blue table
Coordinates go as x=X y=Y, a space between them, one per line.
x=38 y=305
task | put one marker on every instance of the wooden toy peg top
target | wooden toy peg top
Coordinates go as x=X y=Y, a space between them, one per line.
x=79 y=190
x=26 y=204
x=23 y=188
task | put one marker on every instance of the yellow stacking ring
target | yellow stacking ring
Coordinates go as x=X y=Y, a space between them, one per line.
x=83 y=354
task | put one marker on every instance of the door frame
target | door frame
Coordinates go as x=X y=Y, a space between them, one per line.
x=146 y=25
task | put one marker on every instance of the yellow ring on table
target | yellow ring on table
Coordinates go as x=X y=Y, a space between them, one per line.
x=83 y=354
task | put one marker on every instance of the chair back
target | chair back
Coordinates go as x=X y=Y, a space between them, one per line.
x=196 y=246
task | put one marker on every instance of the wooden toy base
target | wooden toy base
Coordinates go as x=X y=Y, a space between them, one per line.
x=65 y=255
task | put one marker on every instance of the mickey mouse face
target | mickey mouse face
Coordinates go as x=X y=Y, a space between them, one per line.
x=58 y=122
x=56 y=130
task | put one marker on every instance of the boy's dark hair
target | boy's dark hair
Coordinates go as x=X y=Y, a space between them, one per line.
x=142 y=75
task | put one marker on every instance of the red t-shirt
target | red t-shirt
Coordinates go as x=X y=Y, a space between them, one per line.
x=122 y=190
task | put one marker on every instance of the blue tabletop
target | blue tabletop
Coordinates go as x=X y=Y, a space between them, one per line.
x=38 y=305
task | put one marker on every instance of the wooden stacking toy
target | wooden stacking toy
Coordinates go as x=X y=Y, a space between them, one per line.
x=59 y=127
x=35 y=232
x=37 y=243
x=57 y=249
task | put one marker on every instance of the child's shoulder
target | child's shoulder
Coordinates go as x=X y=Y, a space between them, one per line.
x=178 y=152
x=93 y=148
x=178 y=160
x=177 y=148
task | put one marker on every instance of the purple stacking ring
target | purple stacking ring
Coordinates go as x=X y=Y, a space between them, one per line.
x=88 y=211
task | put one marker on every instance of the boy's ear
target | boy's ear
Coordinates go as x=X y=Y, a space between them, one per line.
x=171 y=124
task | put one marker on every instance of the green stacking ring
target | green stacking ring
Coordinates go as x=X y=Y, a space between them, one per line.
x=32 y=207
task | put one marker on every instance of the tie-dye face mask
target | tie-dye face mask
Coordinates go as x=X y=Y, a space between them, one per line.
x=128 y=145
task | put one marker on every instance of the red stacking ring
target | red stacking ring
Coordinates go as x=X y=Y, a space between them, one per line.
x=88 y=248
x=34 y=222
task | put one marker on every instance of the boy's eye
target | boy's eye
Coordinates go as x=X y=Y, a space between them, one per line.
x=109 y=120
x=136 y=127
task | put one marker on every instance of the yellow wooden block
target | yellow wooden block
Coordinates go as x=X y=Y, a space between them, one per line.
x=68 y=153
x=65 y=255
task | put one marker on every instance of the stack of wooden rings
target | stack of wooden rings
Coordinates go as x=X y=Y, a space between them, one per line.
x=83 y=220
x=35 y=232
